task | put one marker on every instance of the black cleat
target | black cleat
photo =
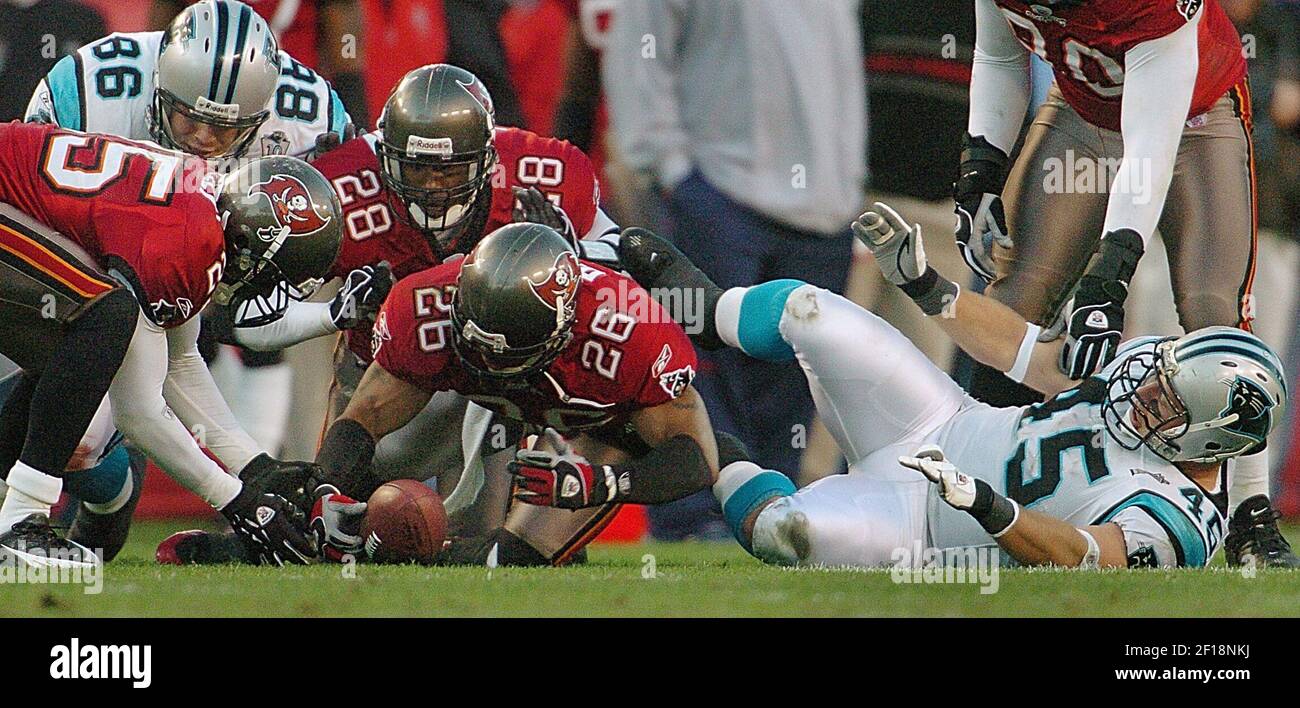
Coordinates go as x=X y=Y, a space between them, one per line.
x=1253 y=535
x=203 y=548
x=659 y=267
x=32 y=542
x=108 y=532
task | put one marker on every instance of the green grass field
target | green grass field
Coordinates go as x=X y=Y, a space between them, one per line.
x=657 y=580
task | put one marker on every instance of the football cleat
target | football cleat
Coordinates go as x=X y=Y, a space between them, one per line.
x=198 y=547
x=658 y=266
x=1253 y=534
x=108 y=532
x=32 y=542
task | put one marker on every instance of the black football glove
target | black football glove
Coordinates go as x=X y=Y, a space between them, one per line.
x=533 y=206
x=273 y=529
x=1096 y=323
x=329 y=140
x=981 y=220
x=362 y=294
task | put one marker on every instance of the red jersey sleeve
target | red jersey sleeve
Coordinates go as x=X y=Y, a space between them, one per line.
x=412 y=334
x=557 y=168
x=659 y=360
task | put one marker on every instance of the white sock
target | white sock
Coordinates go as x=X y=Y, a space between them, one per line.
x=30 y=492
x=1247 y=477
x=727 y=316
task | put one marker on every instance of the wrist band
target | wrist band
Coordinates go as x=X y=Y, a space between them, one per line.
x=1021 y=366
x=932 y=292
x=996 y=513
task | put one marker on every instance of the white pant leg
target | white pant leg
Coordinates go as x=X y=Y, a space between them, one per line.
x=872 y=387
x=859 y=519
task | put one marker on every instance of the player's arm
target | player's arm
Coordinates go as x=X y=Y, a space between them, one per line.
x=1159 y=80
x=57 y=96
x=382 y=403
x=255 y=509
x=1032 y=538
x=683 y=459
x=989 y=331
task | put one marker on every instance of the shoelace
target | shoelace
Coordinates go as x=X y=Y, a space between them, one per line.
x=43 y=531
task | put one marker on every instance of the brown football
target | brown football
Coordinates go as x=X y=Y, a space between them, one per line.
x=405 y=522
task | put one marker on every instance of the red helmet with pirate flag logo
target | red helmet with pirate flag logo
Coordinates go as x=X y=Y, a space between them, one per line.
x=283 y=228
x=515 y=301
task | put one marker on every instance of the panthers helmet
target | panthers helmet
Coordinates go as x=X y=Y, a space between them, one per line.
x=283 y=227
x=515 y=301
x=437 y=153
x=1207 y=396
x=218 y=65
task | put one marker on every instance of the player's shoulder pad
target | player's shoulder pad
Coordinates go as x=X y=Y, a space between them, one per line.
x=658 y=358
x=395 y=341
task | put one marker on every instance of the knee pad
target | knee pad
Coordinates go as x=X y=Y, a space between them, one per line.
x=756 y=328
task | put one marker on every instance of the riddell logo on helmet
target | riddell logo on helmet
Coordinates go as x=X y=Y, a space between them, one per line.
x=292 y=206
x=561 y=285
x=416 y=145
x=229 y=111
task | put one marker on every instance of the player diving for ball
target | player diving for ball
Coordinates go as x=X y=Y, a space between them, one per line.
x=214 y=85
x=1118 y=470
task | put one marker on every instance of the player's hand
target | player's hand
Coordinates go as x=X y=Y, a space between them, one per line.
x=283 y=478
x=562 y=478
x=336 y=523
x=273 y=528
x=362 y=294
x=533 y=206
x=329 y=140
x=895 y=244
x=981 y=220
x=955 y=487
x=1095 y=326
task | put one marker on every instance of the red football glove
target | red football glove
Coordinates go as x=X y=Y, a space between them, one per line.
x=562 y=479
x=336 y=524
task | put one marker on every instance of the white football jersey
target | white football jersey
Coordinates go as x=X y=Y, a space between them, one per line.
x=107 y=86
x=1056 y=457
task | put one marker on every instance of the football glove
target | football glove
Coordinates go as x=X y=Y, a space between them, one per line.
x=336 y=523
x=955 y=487
x=329 y=140
x=1096 y=323
x=271 y=527
x=285 y=478
x=362 y=294
x=533 y=206
x=896 y=245
x=562 y=479
x=981 y=219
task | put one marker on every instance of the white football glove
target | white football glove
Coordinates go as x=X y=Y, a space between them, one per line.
x=981 y=222
x=956 y=487
x=896 y=245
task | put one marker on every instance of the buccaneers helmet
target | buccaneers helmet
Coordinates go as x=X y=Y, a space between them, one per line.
x=1206 y=396
x=218 y=65
x=515 y=301
x=437 y=154
x=283 y=227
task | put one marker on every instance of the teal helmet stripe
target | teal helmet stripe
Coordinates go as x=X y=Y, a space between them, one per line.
x=241 y=37
x=222 y=22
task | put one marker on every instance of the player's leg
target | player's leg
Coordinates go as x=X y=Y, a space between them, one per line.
x=1210 y=230
x=871 y=386
x=1055 y=200
x=62 y=318
x=874 y=516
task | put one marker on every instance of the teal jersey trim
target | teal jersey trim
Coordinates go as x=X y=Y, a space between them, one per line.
x=1189 y=547
x=65 y=91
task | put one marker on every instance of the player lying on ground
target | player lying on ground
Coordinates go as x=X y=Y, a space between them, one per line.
x=1115 y=471
x=1151 y=113
x=108 y=250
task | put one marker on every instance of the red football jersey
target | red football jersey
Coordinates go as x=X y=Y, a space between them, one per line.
x=146 y=212
x=372 y=233
x=626 y=353
x=1086 y=45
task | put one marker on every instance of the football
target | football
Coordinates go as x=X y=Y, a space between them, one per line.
x=405 y=522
